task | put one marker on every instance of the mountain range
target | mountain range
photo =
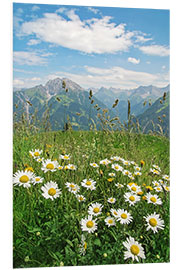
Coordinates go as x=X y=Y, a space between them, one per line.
x=68 y=101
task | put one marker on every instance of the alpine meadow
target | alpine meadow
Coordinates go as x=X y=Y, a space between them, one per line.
x=91 y=161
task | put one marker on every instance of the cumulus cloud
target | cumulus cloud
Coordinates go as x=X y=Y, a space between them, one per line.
x=155 y=50
x=94 y=10
x=133 y=60
x=89 y=36
x=28 y=58
x=32 y=42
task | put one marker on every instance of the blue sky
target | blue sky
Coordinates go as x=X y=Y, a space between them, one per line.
x=93 y=46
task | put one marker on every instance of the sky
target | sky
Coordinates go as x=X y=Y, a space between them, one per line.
x=93 y=46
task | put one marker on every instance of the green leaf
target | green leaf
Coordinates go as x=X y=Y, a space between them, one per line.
x=97 y=242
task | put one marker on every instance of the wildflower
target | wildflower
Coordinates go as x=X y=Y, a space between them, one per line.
x=166 y=188
x=154 y=171
x=50 y=190
x=95 y=209
x=88 y=224
x=110 y=221
x=134 y=249
x=126 y=172
x=80 y=198
x=116 y=158
x=37 y=180
x=118 y=185
x=166 y=177
x=110 y=179
x=23 y=178
x=114 y=212
x=153 y=199
x=134 y=188
x=124 y=217
x=149 y=188
x=64 y=157
x=105 y=161
x=73 y=188
x=144 y=198
x=155 y=183
x=83 y=246
x=137 y=173
x=112 y=174
x=117 y=167
x=60 y=167
x=111 y=200
x=72 y=167
x=131 y=198
x=36 y=153
x=126 y=162
x=95 y=165
x=154 y=222
x=49 y=165
x=89 y=184
x=29 y=169
x=137 y=168
x=158 y=188
x=142 y=163
x=157 y=167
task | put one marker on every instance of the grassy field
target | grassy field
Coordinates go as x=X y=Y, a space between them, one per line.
x=54 y=227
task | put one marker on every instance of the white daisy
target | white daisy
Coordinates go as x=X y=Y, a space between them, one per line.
x=119 y=185
x=110 y=221
x=154 y=222
x=115 y=158
x=105 y=161
x=126 y=172
x=112 y=174
x=124 y=217
x=158 y=189
x=126 y=162
x=131 y=177
x=137 y=173
x=166 y=177
x=114 y=212
x=134 y=188
x=88 y=224
x=156 y=167
x=83 y=246
x=137 y=168
x=35 y=153
x=153 y=199
x=166 y=188
x=80 y=198
x=65 y=157
x=72 y=187
x=95 y=209
x=88 y=183
x=134 y=249
x=50 y=190
x=72 y=167
x=49 y=165
x=111 y=200
x=95 y=165
x=154 y=171
x=117 y=167
x=37 y=180
x=23 y=178
x=131 y=198
x=156 y=184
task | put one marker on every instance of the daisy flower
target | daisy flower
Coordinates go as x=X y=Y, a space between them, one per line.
x=114 y=212
x=158 y=189
x=111 y=200
x=95 y=209
x=131 y=198
x=117 y=167
x=73 y=188
x=112 y=174
x=95 y=165
x=119 y=185
x=115 y=158
x=134 y=188
x=166 y=188
x=64 y=157
x=156 y=184
x=154 y=171
x=137 y=168
x=154 y=222
x=23 y=178
x=36 y=153
x=88 y=224
x=131 y=177
x=80 y=198
x=37 y=180
x=50 y=190
x=110 y=221
x=88 y=183
x=49 y=165
x=166 y=177
x=105 y=161
x=83 y=246
x=72 y=167
x=134 y=249
x=153 y=199
x=124 y=217
x=126 y=162
x=40 y=159
x=126 y=172
x=137 y=173
x=60 y=167
x=156 y=167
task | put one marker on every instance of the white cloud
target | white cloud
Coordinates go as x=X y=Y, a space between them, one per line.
x=32 y=42
x=90 y=36
x=18 y=83
x=133 y=60
x=35 y=8
x=94 y=10
x=28 y=58
x=155 y=50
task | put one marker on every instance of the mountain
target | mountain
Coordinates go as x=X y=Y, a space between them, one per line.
x=66 y=100
x=139 y=98
x=156 y=117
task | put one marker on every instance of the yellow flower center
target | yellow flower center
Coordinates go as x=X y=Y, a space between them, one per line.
x=36 y=154
x=37 y=179
x=66 y=157
x=24 y=179
x=153 y=199
x=72 y=186
x=85 y=245
x=153 y=222
x=94 y=164
x=127 y=172
x=132 y=198
x=81 y=198
x=115 y=213
x=134 y=249
x=124 y=216
x=116 y=167
x=133 y=188
x=96 y=210
x=50 y=166
x=111 y=200
x=90 y=224
x=110 y=221
x=52 y=191
x=88 y=183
